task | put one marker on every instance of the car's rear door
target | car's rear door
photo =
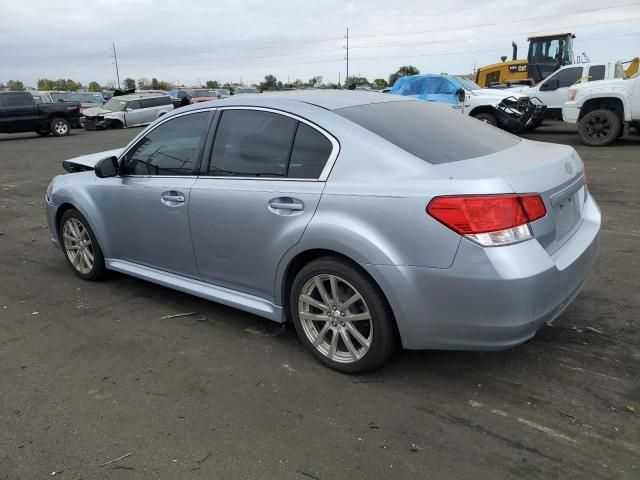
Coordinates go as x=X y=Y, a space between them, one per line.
x=146 y=208
x=260 y=190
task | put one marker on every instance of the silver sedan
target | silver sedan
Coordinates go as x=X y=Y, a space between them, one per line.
x=368 y=221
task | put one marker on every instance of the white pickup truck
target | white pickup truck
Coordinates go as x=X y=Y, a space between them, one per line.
x=603 y=109
x=553 y=90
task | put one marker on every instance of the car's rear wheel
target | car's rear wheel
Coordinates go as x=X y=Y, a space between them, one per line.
x=486 y=118
x=60 y=127
x=599 y=128
x=80 y=246
x=341 y=315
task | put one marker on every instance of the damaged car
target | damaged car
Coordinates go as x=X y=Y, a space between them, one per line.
x=127 y=111
x=508 y=110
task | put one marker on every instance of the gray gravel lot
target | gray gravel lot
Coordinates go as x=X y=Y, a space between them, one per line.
x=91 y=371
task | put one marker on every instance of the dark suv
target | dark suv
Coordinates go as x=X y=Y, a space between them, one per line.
x=180 y=98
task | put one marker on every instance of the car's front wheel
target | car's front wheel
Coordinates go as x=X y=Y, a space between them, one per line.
x=80 y=246
x=341 y=315
x=599 y=128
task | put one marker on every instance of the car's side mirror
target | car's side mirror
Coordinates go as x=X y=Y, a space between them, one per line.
x=550 y=85
x=107 y=167
x=461 y=94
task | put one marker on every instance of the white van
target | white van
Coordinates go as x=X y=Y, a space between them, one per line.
x=128 y=111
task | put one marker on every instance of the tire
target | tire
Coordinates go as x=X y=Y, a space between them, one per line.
x=599 y=128
x=43 y=133
x=371 y=330
x=60 y=127
x=76 y=236
x=486 y=118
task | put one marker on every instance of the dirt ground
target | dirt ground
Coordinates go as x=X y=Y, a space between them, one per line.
x=90 y=372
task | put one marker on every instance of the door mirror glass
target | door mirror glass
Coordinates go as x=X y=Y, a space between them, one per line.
x=107 y=167
x=461 y=94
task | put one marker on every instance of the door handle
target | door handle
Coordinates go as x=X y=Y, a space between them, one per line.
x=176 y=197
x=286 y=203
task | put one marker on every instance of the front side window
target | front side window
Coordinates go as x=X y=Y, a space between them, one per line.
x=252 y=143
x=135 y=105
x=169 y=149
x=568 y=76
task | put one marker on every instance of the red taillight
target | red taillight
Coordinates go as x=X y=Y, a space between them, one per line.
x=475 y=215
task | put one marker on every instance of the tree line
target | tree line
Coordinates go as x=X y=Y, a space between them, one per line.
x=270 y=83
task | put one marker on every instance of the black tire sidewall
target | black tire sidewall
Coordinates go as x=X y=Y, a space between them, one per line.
x=613 y=134
x=98 y=259
x=53 y=130
x=384 y=337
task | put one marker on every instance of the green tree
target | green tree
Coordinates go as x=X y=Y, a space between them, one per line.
x=404 y=71
x=353 y=81
x=297 y=83
x=270 y=83
x=128 y=83
x=15 y=86
x=45 y=84
x=212 y=84
x=94 y=87
x=380 y=83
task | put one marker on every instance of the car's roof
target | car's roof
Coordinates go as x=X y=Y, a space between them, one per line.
x=327 y=99
x=139 y=96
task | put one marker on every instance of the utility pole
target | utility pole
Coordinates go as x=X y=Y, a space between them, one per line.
x=115 y=57
x=346 y=80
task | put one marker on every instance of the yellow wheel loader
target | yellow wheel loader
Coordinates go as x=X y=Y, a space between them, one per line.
x=547 y=53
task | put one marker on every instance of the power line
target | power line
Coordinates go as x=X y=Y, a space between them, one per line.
x=489 y=37
x=504 y=22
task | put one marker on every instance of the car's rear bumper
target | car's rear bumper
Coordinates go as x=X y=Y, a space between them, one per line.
x=490 y=298
x=570 y=112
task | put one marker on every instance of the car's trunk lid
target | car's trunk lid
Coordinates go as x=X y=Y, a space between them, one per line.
x=556 y=172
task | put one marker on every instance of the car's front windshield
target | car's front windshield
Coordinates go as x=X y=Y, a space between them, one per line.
x=467 y=84
x=115 y=105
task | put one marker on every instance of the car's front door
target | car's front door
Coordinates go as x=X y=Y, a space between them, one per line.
x=262 y=186
x=554 y=90
x=146 y=208
x=134 y=113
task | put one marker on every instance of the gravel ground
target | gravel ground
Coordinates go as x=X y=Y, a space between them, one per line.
x=90 y=372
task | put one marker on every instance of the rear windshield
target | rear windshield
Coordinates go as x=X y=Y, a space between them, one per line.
x=430 y=132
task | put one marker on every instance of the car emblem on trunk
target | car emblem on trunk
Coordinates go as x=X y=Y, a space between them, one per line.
x=568 y=167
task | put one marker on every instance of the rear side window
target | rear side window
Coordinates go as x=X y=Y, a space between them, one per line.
x=430 y=132
x=310 y=153
x=17 y=99
x=596 y=73
x=169 y=149
x=252 y=143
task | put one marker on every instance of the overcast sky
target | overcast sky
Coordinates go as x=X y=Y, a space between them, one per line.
x=242 y=40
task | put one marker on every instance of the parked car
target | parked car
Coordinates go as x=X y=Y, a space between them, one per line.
x=200 y=95
x=603 y=109
x=553 y=90
x=239 y=90
x=19 y=112
x=128 y=111
x=223 y=92
x=405 y=219
x=511 y=111
x=180 y=98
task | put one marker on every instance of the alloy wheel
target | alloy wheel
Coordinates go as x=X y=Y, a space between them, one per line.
x=598 y=127
x=335 y=318
x=78 y=246
x=60 y=127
